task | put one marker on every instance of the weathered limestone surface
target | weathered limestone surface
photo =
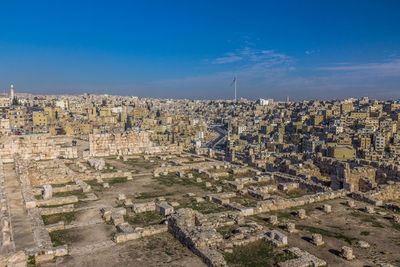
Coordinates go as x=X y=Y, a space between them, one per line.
x=40 y=234
x=277 y=238
x=347 y=253
x=97 y=163
x=302 y=183
x=140 y=232
x=57 y=201
x=61 y=209
x=127 y=143
x=164 y=208
x=55 y=227
x=244 y=235
x=245 y=211
x=317 y=239
x=202 y=240
x=47 y=192
x=38 y=147
x=379 y=195
x=279 y=203
x=304 y=259
x=143 y=207
x=17 y=259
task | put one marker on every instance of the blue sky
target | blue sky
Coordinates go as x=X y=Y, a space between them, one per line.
x=192 y=49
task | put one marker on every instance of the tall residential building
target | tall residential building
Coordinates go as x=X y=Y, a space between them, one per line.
x=12 y=92
x=379 y=143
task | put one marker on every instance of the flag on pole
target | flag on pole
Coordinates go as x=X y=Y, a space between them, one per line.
x=234 y=80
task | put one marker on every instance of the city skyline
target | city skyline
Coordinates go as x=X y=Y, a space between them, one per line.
x=312 y=50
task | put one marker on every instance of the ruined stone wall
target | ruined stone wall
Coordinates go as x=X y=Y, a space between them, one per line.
x=127 y=143
x=352 y=175
x=380 y=194
x=45 y=172
x=37 y=147
x=304 y=184
x=202 y=240
x=384 y=171
x=280 y=203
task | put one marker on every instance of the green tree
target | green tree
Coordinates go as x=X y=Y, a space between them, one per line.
x=128 y=124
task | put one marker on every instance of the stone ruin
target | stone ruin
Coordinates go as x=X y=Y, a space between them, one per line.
x=303 y=259
x=317 y=239
x=97 y=163
x=162 y=207
x=353 y=179
x=277 y=238
x=380 y=194
x=347 y=253
x=124 y=143
x=202 y=240
x=198 y=233
x=358 y=174
x=37 y=147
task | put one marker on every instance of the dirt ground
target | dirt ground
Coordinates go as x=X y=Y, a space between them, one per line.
x=89 y=228
x=343 y=227
x=159 y=250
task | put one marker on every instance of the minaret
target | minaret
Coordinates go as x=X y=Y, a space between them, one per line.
x=12 y=92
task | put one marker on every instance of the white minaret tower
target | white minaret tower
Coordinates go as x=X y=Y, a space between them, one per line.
x=12 y=92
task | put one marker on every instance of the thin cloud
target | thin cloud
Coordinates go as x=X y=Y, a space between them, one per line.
x=251 y=55
x=229 y=58
x=391 y=68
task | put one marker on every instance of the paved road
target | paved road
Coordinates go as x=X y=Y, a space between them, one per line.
x=222 y=134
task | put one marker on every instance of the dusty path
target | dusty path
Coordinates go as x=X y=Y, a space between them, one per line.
x=20 y=222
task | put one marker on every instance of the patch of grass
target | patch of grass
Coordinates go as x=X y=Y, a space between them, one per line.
x=173 y=179
x=59 y=238
x=259 y=253
x=246 y=201
x=294 y=193
x=355 y=214
x=283 y=214
x=64 y=184
x=92 y=182
x=147 y=195
x=31 y=261
x=336 y=227
x=141 y=163
x=396 y=226
x=78 y=193
x=205 y=207
x=38 y=197
x=95 y=185
x=365 y=233
x=367 y=218
x=324 y=232
x=116 y=180
x=373 y=221
x=226 y=231
x=107 y=168
x=67 y=217
x=144 y=218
